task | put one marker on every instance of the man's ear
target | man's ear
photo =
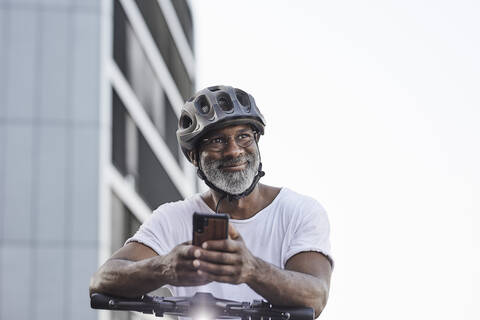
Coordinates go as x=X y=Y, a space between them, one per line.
x=193 y=157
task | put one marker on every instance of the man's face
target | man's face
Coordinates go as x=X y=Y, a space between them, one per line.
x=229 y=158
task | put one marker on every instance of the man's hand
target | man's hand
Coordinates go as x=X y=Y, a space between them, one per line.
x=181 y=270
x=227 y=261
x=136 y=269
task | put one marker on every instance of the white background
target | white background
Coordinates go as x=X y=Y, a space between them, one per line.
x=372 y=108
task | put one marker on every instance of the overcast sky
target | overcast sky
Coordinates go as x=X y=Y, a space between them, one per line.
x=372 y=108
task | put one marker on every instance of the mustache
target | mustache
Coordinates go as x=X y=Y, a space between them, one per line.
x=233 y=162
x=230 y=162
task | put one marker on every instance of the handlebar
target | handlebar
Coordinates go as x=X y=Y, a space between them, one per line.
x=202 y=304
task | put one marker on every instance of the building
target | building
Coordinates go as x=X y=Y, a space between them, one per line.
x=90 y=94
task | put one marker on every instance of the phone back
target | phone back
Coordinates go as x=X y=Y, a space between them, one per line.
x=209 y=227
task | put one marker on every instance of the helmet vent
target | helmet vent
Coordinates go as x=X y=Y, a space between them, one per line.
x=243 y=98
x=225 y=102
x=191 y=99
x=202 y=105
x=214 y=88
x=185 y=121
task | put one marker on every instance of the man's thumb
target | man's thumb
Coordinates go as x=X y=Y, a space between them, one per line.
x=233 y=233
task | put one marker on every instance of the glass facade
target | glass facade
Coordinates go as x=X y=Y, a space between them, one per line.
x=185 y=17
x=131 y=154
x=132 y=61
x=123 y=222
x=163 y=39
x=135 y=160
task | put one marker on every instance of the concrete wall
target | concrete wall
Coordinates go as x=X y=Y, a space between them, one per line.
x=49 y=157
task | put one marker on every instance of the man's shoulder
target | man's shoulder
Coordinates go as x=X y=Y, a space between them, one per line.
x=293 y=202
x=288 y=195
x=300 y=212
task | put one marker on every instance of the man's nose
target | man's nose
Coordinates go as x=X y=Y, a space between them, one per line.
x=232 y=149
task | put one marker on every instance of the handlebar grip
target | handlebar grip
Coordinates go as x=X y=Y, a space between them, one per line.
x=300 y=313
x=99 y=301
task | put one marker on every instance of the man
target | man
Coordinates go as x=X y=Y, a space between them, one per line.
x=278 y=247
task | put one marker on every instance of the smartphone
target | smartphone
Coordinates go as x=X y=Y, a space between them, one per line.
x=209 y=227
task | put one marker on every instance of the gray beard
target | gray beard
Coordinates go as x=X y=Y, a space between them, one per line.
x=233 y=182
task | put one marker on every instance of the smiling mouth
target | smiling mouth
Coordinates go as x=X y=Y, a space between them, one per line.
x=234 y=166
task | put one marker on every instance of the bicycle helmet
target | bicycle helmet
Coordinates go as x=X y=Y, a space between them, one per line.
x=215 y=108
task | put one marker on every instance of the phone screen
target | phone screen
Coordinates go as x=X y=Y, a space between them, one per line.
x=209 y=227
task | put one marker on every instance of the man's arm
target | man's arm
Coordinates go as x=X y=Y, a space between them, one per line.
x=136 y=269
x=304 y=282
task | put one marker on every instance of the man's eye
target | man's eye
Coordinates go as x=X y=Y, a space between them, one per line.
x=217 y=140
x=243 y=136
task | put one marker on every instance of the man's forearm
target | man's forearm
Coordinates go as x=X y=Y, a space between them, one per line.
x=285 y=287
x=128 y=278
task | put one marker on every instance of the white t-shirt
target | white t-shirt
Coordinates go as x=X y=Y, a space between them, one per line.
x=292 y=223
